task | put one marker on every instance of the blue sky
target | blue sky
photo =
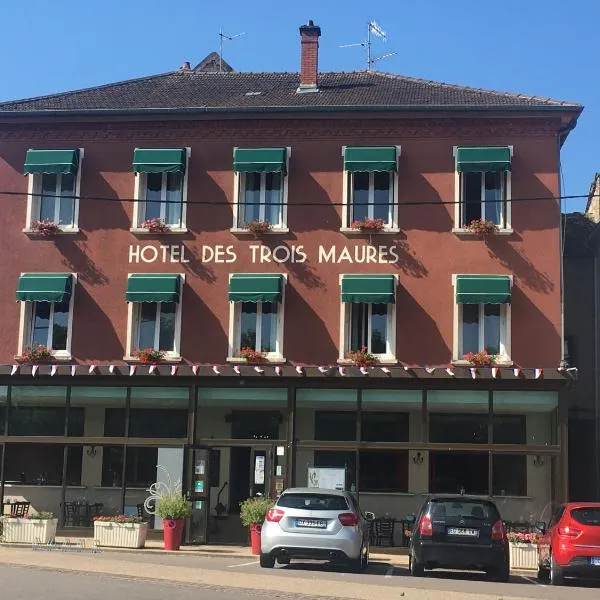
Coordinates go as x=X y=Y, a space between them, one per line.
x=542 y=47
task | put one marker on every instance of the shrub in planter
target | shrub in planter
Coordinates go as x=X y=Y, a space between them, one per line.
x=480 y=359
x=39 y=527
x=36 y=354
x=253 y=513
x=523 y=550
x=258 y=227
x=120 y=531
x=362 y=358
x=156 y=225
x=482 y=227
x=173 y=509
x=368 y=225
x=251 y=355
x=149 y=356
x=45 y=227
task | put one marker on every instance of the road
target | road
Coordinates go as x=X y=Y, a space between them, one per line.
x=125 y=576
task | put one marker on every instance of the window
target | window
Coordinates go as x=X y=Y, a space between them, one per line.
x=368 y=327
x=258 y=326
x=260 y=186
x=483 y=183
x=53 y=189
x=483 y=327
x=160 y=187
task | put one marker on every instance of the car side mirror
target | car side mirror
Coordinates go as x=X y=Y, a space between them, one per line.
x=540 y=526
x=410 y=519
x=369 y=516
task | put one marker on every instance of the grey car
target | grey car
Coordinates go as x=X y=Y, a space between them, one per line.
x=312 y=523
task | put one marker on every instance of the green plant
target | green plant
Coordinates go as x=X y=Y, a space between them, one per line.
x=41 y=516
x=258 y=227
x=149 y=356
x=368 y=225
x=45 y=227
x=173 y=506
x=156 y=225
x=482 y=227
x=362 y=357
x=119 y=519
x=480 y=359
x=254 y=510
x=36 y=354
x=251 y=355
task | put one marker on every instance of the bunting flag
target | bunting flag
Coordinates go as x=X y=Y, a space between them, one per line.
x=34 y=370
x=516 y=372
x=538 y=373
x=92 y=369
x=430 y=370
x=216 y=370
x=495 y=372
x=278 y=370
x=473 y=372
x=237 y=370
x=385 y=370
x=406 y=368
x=299 y=370
x=151 y=369
x=111 y=369
x=174 y=370
x=132 y=369
x=14 y=369
x=73 y=370
x=364 y=370
x=53 y=370
x=323 y=369
x=450 y=371
x=342 y=371
x=259 y=369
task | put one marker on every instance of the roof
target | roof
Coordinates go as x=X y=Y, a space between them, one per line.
x=307 y=490
x=200 y=91
x=213 y=63
x=580 y=235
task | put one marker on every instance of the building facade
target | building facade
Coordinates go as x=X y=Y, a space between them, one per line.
x=248 y=233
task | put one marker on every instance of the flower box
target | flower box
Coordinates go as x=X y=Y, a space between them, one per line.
x=523 y=556
x=120 y=535
x=28 y=531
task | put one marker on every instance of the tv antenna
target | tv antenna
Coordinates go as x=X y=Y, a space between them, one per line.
x=223 y=36
x=372 y=29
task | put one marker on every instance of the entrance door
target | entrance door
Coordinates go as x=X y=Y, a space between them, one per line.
x=199 y=476
x=249 y=474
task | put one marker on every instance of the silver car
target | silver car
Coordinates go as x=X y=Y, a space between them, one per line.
x=315 y=524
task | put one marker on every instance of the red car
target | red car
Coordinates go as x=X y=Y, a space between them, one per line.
x=570 y=544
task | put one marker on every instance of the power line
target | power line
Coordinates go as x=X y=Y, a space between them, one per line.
x=258 y=203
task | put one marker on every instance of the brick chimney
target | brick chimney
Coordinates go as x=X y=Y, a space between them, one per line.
x=309 y=58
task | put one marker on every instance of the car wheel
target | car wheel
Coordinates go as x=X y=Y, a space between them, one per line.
x=267 y=561
x=543 y=573
x=416 y=568
x=283 y=560
x=502 y=574
x=556 y=572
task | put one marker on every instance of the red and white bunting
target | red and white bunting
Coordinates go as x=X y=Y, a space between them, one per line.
x=278 y=370
x=495 y=371
x=216 y=370
x=151 y=369
x=406 y=368
x=364 y=370
x=14 y=369
x=92 y=369
x=237 y=370
x=538 y=373
x=473 y=372
x=73 y=370
x=132 y=369
x=195 y=369
x=385 y=370
x=111 y=369
x=53 y=370
x=450 y=371
x=259 y=369
x=299 y=370
x=517 y=372
x=34 y=370
x=430 y=370
x=174 y=370
x=342 y=371
x=323 y=370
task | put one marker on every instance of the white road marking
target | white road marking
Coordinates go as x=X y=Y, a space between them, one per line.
x=389 y=572
x=254 y=562
x=533 y=580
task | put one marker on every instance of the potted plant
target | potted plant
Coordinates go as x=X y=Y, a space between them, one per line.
x=36 y=354
x=253 y=513
x=480 y=359
x=362 y=357
x=258 y=227
x=482 y=227
x=174 y=509
x=45 y=227
x=32 y=528
x=156 y=225
x=120 y=531
x=149 y=356
x=523 y=550
x=251 y=355
x=368 y=225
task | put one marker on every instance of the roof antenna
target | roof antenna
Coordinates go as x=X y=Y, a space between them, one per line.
x=372 y=29
x=224 y=36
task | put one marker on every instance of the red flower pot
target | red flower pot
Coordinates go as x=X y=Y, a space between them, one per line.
x=172 y=533
x=255 y=530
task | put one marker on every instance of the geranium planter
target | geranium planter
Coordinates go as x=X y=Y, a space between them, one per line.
x=523 y=556
x=28 y=531
x=120 y=535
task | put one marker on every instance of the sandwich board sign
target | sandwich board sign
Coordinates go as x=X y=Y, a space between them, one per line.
x=327 y=478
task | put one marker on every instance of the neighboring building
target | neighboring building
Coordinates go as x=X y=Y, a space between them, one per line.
x=582 y=331
x=208 y=153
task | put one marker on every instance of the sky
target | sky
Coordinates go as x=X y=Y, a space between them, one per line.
x=546 y=48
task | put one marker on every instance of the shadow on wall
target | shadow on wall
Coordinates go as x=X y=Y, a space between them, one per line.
x=77 y=258
x=108 y=212
x=304 y=272
x=408 y=261
x=214 y=217
x=195 y=266
x=323 y=216
x=422 y=201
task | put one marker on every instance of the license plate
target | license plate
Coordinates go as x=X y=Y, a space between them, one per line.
x=463 y=532
x=595 y=561
x=312 y=523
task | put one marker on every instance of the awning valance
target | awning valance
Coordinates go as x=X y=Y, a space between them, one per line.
x=483 y=289
x=159 y=160
x=491 y=158
x=45 y=287
x=51 y=161
x=371 y=158
x=153 y=287
x=372 y=289
x=259 y=160
x=261 y=287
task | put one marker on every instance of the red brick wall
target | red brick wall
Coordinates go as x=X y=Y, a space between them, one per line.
x=430 y=253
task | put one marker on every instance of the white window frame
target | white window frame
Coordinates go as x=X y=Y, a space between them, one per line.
x=345 y=328
x=133 y=323
x=239 y=181
x=26 y=323
x=235 y=314
x=34 y=188
x=504 y=358
x=348 y=198
x=139 y=195
x=458 y=198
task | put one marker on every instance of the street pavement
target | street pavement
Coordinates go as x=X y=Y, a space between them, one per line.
x=53 y=574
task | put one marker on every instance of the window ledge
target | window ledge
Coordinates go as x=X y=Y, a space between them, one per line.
x=498 y=363
x=384 y=360
x=384 y=231
x=274 y=231
x=243 y=361
x=62 y=357
x=166 y=360
x=144 y=231
x=460 y=232
x=33 y=233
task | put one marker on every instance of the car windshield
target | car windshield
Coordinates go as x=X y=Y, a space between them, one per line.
x=470 y=509
x=586 y=516
x=313 y=502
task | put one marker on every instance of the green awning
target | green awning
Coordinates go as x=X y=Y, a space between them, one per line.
x=51 y=161
x=249 y=287
x=153 y=287
x=496 y=158
x=45 y=287
x=259 y=160
x=371 y=159
x=373 y=289
x=483 y=289
x=159 y=160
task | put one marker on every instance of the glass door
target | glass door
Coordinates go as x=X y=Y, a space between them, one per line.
x=199 y=492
